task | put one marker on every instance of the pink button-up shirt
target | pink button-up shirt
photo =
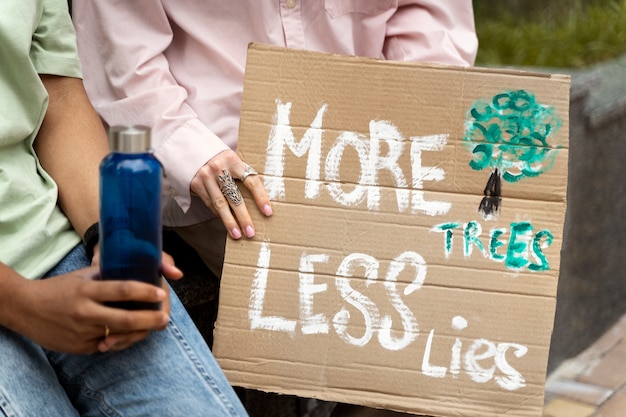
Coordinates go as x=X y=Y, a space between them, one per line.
x=178 y=65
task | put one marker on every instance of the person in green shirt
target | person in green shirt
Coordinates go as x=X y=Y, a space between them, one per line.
x=62 y=351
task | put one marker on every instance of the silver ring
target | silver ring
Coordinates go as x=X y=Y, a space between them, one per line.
x=229 y=188
x=249 y=171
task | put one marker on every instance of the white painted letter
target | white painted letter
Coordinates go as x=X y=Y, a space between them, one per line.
x=311 y=323
x=409 y=322
x=333 y=162
x=386 y=131
x=355 y=298
x=259 y=285
x=281 y=135
x=513 y=380
x=458 y=323
x=474 y=370
x=427 y=368
x=421 y=174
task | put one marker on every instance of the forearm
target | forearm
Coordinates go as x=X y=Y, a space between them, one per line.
x=10 y=283
x=70 y=145
x=133 y=83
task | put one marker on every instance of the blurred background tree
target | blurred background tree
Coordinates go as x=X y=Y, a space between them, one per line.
x=549 y=33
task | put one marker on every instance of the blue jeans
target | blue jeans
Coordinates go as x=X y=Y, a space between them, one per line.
x=171 y=373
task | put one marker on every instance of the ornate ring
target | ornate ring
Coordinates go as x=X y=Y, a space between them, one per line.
x=229 y=188
x=249 y=171
x=107 y=331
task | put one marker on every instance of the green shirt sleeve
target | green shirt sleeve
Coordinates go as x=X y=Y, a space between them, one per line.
x=53 y=49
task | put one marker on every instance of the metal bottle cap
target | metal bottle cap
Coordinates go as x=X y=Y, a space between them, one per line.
x=130 y=139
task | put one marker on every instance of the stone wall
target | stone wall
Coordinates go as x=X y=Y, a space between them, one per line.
x=592 y=284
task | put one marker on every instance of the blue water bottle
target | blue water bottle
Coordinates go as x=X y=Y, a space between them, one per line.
x=130 y=211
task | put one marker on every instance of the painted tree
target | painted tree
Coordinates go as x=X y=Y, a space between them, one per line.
x=510 y=135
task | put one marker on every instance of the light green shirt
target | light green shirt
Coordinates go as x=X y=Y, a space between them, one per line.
x=36 y=37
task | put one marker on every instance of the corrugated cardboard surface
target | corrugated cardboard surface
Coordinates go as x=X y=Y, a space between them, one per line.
x=368 y=302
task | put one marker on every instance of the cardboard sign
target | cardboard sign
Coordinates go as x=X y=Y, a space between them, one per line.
x=413 y=256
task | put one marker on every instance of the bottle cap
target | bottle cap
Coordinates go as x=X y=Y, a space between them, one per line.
x=130 y=139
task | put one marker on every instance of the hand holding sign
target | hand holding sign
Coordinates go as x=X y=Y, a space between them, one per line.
x=233 y=211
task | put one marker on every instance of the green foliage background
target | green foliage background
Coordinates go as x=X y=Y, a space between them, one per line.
x=549 y=33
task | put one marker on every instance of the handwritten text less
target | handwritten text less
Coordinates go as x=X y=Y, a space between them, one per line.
x=408 y=198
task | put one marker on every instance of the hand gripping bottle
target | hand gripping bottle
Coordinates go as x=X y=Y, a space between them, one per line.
x=130 y=211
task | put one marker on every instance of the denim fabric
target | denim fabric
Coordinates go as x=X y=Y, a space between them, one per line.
x=171 y=373
x=74 y=260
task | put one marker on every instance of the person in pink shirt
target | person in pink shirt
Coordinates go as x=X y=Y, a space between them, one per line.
x=178 y=66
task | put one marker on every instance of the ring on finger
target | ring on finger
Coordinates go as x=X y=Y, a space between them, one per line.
x=107 y=331
x=248 y=171
x=229 y=188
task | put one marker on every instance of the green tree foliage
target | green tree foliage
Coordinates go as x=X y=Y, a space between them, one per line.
x=555 y=33
x=511 y=136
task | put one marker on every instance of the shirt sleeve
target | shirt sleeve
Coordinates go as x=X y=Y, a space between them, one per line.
x=435 y=31
x=53 y=48
x=127 y=76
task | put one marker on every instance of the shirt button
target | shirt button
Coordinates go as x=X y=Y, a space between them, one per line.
x=291 y=4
